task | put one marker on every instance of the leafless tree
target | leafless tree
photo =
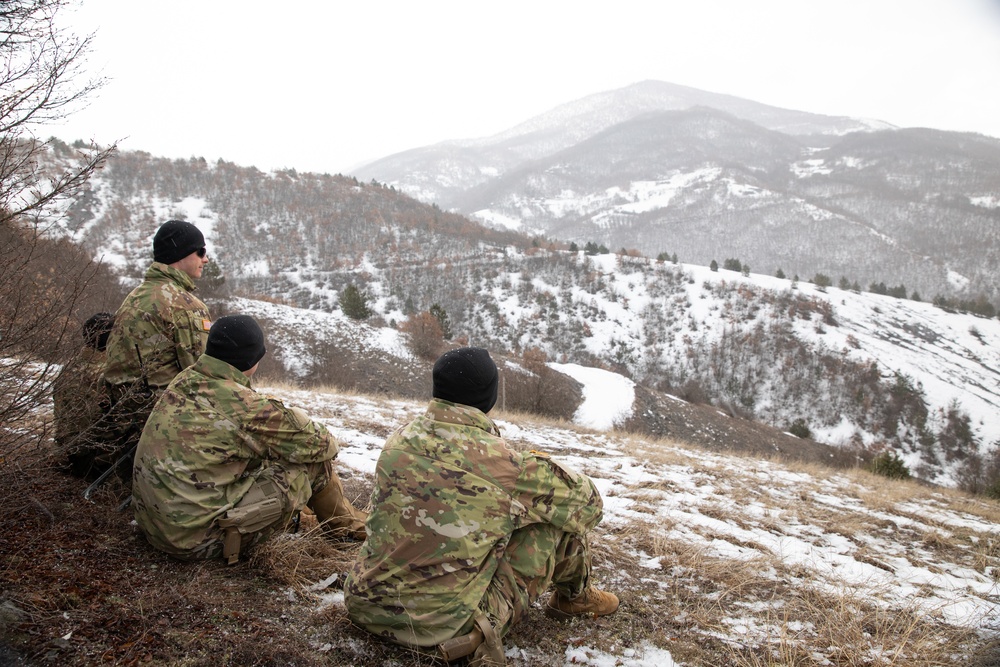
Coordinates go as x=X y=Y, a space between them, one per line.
x=42 y=280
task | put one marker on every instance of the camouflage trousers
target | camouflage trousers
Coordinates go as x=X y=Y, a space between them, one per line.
x=279 y=492
x=536 y=557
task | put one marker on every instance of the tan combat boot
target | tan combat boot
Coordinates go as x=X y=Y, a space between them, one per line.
x=338 y=518
x=589 y=604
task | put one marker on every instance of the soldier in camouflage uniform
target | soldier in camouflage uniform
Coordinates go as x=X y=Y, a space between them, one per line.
x=78 y=396
x=160 y=329
x=219 y=467
x=464 y=532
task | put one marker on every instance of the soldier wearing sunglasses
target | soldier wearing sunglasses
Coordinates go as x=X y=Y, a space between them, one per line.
x=160 y=329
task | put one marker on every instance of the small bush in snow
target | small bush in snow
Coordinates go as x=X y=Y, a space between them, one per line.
x=800 y=429
x=888 y=464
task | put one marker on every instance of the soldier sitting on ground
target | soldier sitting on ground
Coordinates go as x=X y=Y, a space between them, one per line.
x=160 y=329
x=466 y=533
x=220 y=468
x=78 y=397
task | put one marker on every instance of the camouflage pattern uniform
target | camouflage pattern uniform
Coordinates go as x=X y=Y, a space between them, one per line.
x=169 y=324
x=78 y=397
x=213 y=444
x=461 y=525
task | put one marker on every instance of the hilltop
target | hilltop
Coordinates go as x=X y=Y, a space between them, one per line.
x=661 y=168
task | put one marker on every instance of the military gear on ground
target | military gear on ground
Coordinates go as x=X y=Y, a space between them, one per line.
x=209 y=441
x=461 y=646
x=462 y=525
x=590 y=604
x=259 y=509
x=489 y=653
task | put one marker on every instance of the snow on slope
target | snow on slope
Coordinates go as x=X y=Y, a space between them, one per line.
x=607 y=396
x=950 y=356
x=827 y=530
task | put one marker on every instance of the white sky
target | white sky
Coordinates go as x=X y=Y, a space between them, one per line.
x=323 y=86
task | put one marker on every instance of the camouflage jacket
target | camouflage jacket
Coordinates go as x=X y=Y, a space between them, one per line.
x=76 y=398
x=207 y=435
x=448 y=494
x=168 y=323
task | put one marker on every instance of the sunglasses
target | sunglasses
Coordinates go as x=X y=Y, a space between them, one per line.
x=202 y=252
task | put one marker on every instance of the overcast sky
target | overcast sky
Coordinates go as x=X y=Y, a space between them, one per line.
x=323 y=86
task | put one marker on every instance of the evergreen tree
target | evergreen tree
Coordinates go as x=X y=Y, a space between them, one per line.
x=822 y=281
x=354 y=303
x=714 y=265
x=212 y=281
x=441 y=315
x=779 y=273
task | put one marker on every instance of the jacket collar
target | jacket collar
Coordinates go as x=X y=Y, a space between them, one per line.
x=160 y=271
x=216 y=368
x=455 y=413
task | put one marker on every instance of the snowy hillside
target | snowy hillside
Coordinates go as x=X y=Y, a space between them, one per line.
x=778 y=349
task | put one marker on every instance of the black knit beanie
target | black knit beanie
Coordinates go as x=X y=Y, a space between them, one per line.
x=175 y=240
x=236 y=340
x=96 y=330
x=468 y=376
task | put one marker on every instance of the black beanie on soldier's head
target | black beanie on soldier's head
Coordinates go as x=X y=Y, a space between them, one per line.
x=175 y=240
x=468 y=376
x=96 y=330
x=236 y=340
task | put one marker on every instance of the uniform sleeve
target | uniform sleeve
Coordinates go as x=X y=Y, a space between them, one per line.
x=558 y=495
x=279 y=432
x=190 y=334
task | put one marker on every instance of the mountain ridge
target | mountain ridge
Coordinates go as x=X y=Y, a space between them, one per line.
x=912 y=187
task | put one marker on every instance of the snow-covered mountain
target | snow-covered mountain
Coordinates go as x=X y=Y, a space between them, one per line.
x=439 y=172
x=660 y=168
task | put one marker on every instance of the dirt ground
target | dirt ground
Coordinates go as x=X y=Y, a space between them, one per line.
x=79 y=585
x=82 y=587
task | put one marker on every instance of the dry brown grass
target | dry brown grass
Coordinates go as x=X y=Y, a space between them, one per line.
x=813 y=627
x=705 y=609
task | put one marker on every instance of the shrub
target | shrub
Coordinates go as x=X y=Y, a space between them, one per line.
x=888 y=464
x=800 y=429
x=424 y=335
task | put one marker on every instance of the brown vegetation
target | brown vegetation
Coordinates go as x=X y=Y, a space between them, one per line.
x=80 y=586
